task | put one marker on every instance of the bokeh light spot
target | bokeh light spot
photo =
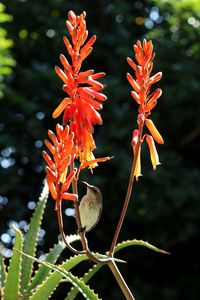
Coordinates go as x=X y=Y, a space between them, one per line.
x=23 y=33
x=139 y=21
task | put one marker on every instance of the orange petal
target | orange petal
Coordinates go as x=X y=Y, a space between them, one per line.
x=64 y=61
x=68 y=46
x=51 y=188
x=155 y=78
x=135 y=96
x=51 y=174
x=153 y=151
x=59 y=131
x=62 y=75
x=88 y=45
x=69 y=27
x=84 y=75
x=53 y=137
x=98 y=75
x=154 y=96
x=68 y=180
x=97 y=95
x=155 y=133
x=86 y=53
x=132 y=82
x=68 y=196
x=72 y=17
x=49 y=160
x=65 y=102
x=50 y=146
x=148 y=107
x=137 y=172
x=95 y=84
x=135 y=137
x=91 y=162
x=63 y=168
x=131 y=63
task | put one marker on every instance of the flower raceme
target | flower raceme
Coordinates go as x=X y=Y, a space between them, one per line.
x=147 y=100
x=62 y=151
x=84 y=98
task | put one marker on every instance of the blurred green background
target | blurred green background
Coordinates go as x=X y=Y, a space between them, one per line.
x=165 y=207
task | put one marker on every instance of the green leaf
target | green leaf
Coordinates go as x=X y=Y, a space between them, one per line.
x=43 y=271
x=2 y=272
x=51 y=257
x=45 y=290
x=135 y=242
x=12 y=282
x=31 y=238
x=74 y=291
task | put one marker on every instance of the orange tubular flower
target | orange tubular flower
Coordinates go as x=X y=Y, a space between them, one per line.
x=137 y=172
x=147 y=100
x=63 y=153
x=84 y=97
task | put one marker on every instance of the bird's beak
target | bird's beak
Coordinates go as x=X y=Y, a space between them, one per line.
x=87 y=184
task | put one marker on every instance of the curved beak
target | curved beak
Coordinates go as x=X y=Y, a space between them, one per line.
x=87 y=184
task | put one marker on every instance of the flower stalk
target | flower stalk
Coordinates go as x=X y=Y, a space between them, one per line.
x=73 y=141
x=120 y=280
x=129 y=190
x=147 y=101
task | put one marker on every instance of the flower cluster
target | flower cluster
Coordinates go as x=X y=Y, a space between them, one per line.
x=62 y=151
x=80 y=109
x=84 y=97
x=147 y=100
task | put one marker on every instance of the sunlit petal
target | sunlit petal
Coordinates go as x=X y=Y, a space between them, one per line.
x=153 y=152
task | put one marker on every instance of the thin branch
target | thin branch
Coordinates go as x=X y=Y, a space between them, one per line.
x=60 y=223
x=129 y=189
x=124 y=287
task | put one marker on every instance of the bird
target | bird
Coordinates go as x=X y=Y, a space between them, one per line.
x=90 y=207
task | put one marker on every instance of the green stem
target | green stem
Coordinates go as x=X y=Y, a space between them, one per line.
x=125 y=289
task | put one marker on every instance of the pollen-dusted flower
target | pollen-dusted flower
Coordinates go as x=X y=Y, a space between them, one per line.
x=147 y=100
x=62 y=155
x=84 y=98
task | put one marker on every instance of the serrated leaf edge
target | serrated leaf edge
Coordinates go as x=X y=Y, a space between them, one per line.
x=20 y=259
x=43 y=197
x=142 y=243
x=69 y=276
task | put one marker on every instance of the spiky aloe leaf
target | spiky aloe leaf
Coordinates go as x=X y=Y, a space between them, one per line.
x=51 y=257
x=74 y=291
x=2 y=272
x=142 y=243
x=43 y=271
x=31 y=239
x=45 y=290
x=12 y=283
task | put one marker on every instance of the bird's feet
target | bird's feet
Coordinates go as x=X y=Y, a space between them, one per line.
x=83 y=229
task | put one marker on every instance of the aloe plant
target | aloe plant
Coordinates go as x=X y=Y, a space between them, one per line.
x=19 y=282
x=72 y=141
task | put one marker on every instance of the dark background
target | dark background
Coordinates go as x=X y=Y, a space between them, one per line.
x=165 y=207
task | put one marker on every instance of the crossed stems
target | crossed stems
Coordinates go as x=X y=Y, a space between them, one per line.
x=110 y=258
